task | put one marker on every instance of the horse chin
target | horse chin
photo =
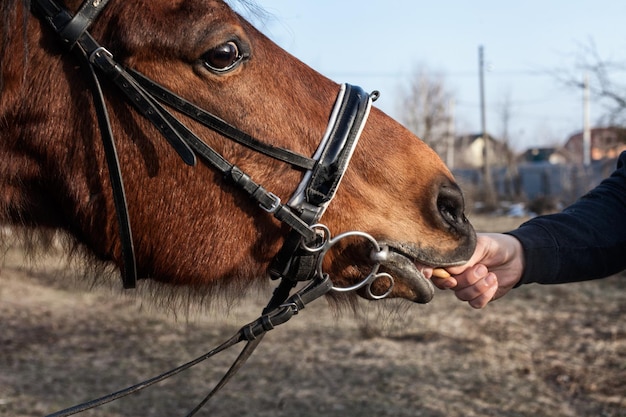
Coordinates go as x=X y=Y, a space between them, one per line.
x=410 y=282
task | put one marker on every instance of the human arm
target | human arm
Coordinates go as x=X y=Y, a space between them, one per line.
x=585 y=241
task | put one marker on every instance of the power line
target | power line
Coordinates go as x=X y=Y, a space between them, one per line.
x=459 y=73
x=514 y=102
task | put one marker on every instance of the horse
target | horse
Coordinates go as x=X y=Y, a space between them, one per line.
x=189 y=224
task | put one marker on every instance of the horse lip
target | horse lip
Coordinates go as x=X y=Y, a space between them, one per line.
x=406 y=266
x=419 y=257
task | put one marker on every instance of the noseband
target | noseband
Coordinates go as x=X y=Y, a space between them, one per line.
x=302 y=254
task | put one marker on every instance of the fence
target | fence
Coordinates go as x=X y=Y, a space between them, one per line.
x=526 y=182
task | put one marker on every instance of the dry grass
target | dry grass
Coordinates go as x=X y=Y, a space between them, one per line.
x=540 y=351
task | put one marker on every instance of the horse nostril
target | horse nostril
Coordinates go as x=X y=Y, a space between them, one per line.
x=451 y=206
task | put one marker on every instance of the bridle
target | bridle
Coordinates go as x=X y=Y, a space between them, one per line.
x=301 y=256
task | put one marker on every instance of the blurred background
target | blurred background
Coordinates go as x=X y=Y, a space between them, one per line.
x=524 y=102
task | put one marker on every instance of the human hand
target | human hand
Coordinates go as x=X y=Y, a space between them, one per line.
x=494 y=268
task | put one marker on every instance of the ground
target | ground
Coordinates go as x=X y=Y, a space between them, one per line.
x=540 y=351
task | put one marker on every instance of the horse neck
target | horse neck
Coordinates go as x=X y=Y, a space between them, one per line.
x=45 y=138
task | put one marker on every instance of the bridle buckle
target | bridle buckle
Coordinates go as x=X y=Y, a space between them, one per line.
x=98 y=52
x=275 y=203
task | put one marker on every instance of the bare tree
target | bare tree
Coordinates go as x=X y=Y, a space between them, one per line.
x=425 y=108
x=603 y=74
x=511 y=174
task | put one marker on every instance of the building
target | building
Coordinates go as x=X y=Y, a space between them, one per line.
x=553 y=156
x=606 y=143
x=469 y=152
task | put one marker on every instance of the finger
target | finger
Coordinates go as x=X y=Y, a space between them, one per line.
x=485 y=287
x=482 y=300
x=471 y=276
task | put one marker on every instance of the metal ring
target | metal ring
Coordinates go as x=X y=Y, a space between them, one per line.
x=386 y=293
x=371 y=277
x=323 y=231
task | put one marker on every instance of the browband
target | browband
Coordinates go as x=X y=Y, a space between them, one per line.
x=319 y=185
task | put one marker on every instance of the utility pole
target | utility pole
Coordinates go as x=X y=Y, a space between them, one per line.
x=586 y=123
x=489 y=196
x=451 y=135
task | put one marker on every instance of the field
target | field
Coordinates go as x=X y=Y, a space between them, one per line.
x=540 y=351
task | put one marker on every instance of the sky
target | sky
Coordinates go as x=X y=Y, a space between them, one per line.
x=528 y=46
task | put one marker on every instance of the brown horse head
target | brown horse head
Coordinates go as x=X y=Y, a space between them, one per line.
x=190 y=226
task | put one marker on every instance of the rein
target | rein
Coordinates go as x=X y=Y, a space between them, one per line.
x=301 y=256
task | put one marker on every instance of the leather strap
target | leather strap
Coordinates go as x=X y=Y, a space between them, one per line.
x=81 y=21
x=70 y=28
x=73 y=29
x=129 y=271
x=276 y=313
x=139 y=98
x=215 y=123
x=332 y=164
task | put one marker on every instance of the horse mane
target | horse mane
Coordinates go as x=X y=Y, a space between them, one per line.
x=8 y=13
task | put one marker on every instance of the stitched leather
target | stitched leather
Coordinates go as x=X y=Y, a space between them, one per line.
x=81 y=21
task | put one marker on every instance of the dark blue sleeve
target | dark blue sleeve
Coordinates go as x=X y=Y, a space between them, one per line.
x=585 y=241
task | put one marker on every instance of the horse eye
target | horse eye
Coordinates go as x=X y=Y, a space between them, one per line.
x=222 y=58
